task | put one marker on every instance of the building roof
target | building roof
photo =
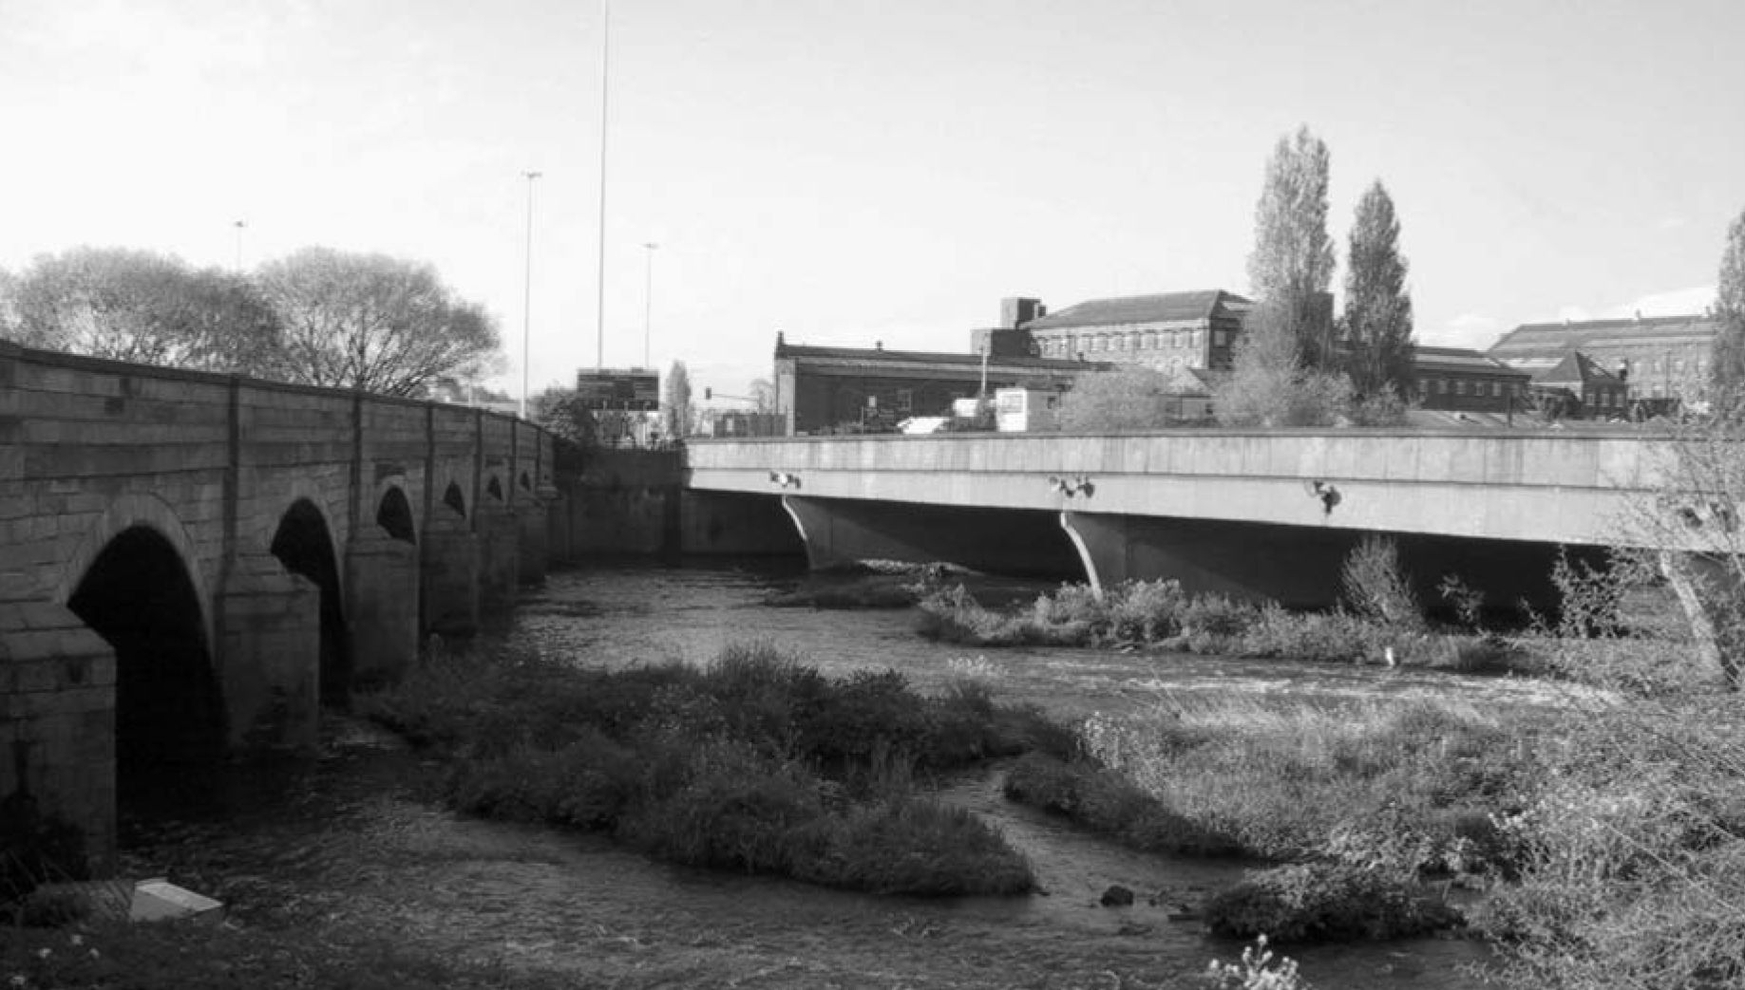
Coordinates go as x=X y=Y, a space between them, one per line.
x=878 y=357
x=1541 y=340
x=1450 y=360
x=1576 y=369
x=1166 y=307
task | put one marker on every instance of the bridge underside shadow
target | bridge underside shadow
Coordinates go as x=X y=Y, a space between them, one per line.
x=1300 y=566
x=1019 y=542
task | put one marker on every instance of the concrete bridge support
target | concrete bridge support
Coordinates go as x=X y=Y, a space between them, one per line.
x=1711 y=589
x=735 y=523
x=840 y=532
x=269 y=653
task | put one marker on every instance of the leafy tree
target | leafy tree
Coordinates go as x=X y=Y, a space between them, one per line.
x=1268 y=385
x=8 y=305
x=372 y=322
x=1728 y=366
x=1377 y=328
x=1291 y=266
x=1130 y=397
x=676 y=409
x=144 y=307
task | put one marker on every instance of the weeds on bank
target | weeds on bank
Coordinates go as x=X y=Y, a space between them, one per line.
x=755 y=763
x=1159 y=614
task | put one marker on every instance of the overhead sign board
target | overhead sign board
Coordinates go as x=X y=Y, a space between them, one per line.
x=632 y=389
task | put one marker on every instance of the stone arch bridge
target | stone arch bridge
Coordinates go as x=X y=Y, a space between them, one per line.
x=190 y=563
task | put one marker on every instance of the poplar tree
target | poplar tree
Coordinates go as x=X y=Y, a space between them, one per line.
x=1728 y=366
x=676 y=410
x=1377 y=328
x=1291 y=266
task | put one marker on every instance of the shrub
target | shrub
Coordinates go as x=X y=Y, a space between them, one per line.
x=1326 y=901
x=1107 y=802
x=1377 y=587
x=911 y=847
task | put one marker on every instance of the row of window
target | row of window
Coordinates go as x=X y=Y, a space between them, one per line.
x=1461 y=386
x=1149 y=340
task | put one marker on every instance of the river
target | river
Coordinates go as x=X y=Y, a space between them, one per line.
x=366 y=846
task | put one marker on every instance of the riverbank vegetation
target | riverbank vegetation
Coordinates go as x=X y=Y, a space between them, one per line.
x=755 y=763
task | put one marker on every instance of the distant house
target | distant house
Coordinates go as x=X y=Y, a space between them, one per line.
x=1169 y=330
x=1656 y=356
x=1466 y=380
x=1578 y=387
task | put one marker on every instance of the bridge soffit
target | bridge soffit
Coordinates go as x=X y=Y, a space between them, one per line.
x=126 y=512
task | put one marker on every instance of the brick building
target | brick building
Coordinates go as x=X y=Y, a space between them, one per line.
x=1578 y=387
x=1170 y=330
x=1656 y=357
x=1466 y=380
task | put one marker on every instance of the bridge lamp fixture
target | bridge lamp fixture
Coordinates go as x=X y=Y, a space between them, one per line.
x=1070 y=487
x=784 y=479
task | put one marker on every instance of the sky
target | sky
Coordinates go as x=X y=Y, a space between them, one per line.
x=852 y=171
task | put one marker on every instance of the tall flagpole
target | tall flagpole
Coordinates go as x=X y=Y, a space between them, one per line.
x=600 y=295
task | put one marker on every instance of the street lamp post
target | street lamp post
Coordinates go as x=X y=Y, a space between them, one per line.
x=527 y=295
x=600 y=296
x=648 y=302
x=239 y=225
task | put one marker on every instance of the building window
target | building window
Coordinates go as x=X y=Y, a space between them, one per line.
x=1220 y=338
x=905 y=399
x=1194 y=339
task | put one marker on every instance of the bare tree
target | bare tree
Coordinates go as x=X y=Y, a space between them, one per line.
x=372 y=322
x=143 y=307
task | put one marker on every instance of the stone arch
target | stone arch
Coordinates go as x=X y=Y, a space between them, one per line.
x=123 y=514
x=303 y=543
x=138 y=592
x=394 y=514
x=494 y=488
x=526 y=482
x=455 y=499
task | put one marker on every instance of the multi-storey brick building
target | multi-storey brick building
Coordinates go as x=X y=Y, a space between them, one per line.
x=1170 y=330
x=1657 y=357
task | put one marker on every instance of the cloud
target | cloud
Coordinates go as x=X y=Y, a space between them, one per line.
x=1466 y=330
x=1672 y=302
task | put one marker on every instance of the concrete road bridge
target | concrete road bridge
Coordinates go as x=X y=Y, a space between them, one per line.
x=190 y=563
x=1259 y=514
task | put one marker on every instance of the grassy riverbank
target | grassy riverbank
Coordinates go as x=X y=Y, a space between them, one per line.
x=755 y=763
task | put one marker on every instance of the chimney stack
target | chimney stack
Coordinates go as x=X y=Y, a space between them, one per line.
x=1017 y=311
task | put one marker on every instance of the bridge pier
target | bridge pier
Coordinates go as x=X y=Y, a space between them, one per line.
x=269 y=656
x=533 y=526
x=450 y=580
x=381 y=586
x=1711 y=590
x=498 y=546
x=57 y=742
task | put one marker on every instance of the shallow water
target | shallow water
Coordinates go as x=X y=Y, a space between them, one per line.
x=352 y=841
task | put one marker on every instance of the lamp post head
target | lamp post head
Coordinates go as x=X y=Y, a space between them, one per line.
x=533 y=175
